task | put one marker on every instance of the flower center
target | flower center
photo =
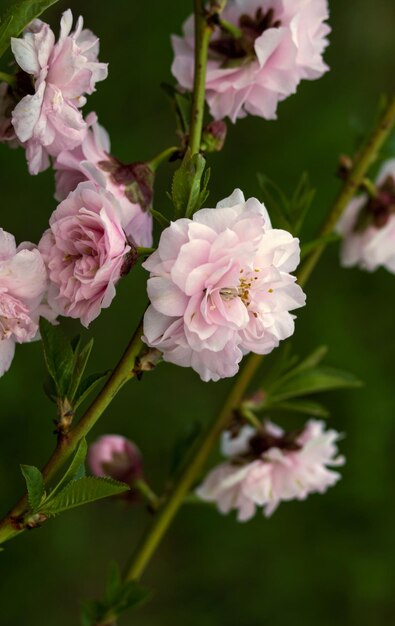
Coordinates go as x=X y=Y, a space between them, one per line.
x=239 y=50
x=379 y=207
x=243 y=290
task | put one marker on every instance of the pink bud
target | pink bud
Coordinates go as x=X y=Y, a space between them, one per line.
x=116 y=457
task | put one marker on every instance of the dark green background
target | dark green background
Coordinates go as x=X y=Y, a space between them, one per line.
x=328 y=560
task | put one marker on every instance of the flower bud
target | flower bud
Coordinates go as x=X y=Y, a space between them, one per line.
x=214 y=135
x=116 y=457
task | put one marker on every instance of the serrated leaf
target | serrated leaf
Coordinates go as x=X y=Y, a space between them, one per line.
x=83 y=491
x=81 y=356
x=34 y=484
x=87 y=386
x=306 y=407
x=182 y=105
x=312 y=381
x=73 y=469
x=59 y=357
x=15 y=19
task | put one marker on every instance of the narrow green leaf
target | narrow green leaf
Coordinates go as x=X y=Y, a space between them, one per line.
x=81 y=357
x=132 y=595
x=83 y=491
x=161 y=219
x=313 y=381
x=73 y=469
x=311 y=361
x=87 y=386
x=114 y=583
x=58 y=355
x=15 y=19
x=309 y=247
x=34 y=484
x=186 y=184
x=306 y=407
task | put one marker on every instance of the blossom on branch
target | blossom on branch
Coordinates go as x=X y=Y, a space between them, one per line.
x=277 y=43
x=92 y=161
x=86 y=252
x=23 y=282
x=51 y=88
x=268 y=466
x=116 y=457
x=220 y=287
x=368 y=226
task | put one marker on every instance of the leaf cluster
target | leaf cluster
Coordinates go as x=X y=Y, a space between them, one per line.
x=73 y=489
x=119 y=597
x=66 y=362
x=286 y=212
x=291 y=381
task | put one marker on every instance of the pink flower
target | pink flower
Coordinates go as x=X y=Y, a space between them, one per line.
x=267 y=467
x=116 y=457
x=85 y=250
x=92 y=161
x=220 y=287
x=281 y=43
x=368 y=226
x=47 y=119
x=23 y=281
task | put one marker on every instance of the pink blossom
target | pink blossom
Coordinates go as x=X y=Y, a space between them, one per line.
x=220 y=287
x=368 y=226
x=85 y=250
x=23 y=281
x=267 y=467
x=281 y=43
x=92 y=161
x=47 y=119
x=116 y=457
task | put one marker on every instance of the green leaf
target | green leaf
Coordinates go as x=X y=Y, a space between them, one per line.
x=188 y=190
x=182 y=105
x=309 y=247
x=128 y=595
x=81 y=356
x=58 y=355
x=158 y=217
x=275 y=202
x=306 y=407
x=114 y=583
x=15 y=19
x=73 y=469
x=34 y=484
x=300 y=202
x=87 y=386
x=312 y=381
x=83 y=491
x=311 y=361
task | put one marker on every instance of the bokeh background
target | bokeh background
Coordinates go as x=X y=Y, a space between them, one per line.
x=328 y=560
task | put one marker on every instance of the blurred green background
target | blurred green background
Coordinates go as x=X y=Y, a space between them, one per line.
x=328 y=560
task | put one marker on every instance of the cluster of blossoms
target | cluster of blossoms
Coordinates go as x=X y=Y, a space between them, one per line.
x=102 y=215
x=368 y=225
x=220 y=287
x=259 y=61
x=268 y=466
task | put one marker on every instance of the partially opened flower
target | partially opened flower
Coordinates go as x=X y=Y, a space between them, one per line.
x=116 y=457
x=51 y=88
x=220 y=287
x=368 y=226
x=280 y=42
x=92 y=161
x=23 y=282
x=268 y=466
x=86 y=251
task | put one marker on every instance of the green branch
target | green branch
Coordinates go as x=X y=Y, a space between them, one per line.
x=123 y=372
